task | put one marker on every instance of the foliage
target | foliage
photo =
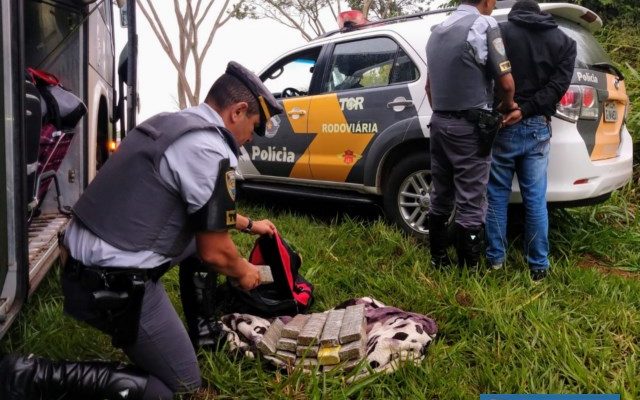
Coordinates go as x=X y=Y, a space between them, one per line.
x=302 y=15
x=381 y=9
x=312 y=18
x=610 y=9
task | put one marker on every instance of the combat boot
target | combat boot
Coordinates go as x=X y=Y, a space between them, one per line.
x=31 y=378
x=469 y=245
x=438 y=240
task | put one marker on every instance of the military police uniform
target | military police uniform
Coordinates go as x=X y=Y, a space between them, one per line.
x=464 y=54
x=173 y=176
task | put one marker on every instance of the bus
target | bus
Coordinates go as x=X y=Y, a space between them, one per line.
x=74 y=41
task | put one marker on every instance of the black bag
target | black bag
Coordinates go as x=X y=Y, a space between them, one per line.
x=289 y=294
x=63 y=108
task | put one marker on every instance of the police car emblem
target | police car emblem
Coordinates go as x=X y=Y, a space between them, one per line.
x=272 y=127
x=349 y=157
x=498 y=45
x=231 y=184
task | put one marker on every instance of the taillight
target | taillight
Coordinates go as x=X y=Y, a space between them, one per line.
x=578 y=102
x=569 y=106
x=589 y=103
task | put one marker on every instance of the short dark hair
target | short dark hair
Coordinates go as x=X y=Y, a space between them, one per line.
x=228 y=90
x=472 y=2
x=526 y=5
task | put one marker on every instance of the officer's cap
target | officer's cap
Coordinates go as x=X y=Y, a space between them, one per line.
x=267 y=103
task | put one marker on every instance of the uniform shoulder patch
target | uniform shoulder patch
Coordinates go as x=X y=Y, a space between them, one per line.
x=231 y=183
x=498 y=46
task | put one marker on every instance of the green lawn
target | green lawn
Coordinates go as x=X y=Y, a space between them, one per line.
x=577 y=332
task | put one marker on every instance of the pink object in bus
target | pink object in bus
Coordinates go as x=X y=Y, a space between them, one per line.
x=54 y=145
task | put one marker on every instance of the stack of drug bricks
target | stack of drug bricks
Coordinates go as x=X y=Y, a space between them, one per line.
x=328 y=339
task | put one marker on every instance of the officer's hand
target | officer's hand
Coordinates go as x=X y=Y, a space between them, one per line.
x=513 y=117
x=251 y=278
x=263 y=227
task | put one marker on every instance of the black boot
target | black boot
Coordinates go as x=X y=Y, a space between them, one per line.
x=469 y=245
x=31 y=378
x=198 y=293
x=438 y=240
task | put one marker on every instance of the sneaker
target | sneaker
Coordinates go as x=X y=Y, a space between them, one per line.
x=539 y=274
x=497 y=266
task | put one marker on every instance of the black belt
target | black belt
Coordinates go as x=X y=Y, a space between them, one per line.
x=469 y=115
x=77 y=269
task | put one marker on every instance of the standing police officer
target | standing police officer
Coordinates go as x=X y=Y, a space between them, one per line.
x=465 y=54
x=171 y=180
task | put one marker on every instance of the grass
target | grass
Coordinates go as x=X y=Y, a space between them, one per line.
x=577 y=332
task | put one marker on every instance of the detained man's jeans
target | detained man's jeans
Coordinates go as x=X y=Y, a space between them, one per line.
x=522 y=149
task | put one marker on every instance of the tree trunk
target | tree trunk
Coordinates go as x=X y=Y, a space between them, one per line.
x=182 y=100
x=366 y=6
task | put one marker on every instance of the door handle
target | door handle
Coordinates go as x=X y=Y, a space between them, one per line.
x=399 y=104
x=296 y=113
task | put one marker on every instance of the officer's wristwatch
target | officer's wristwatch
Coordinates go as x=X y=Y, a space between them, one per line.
x=249 y=226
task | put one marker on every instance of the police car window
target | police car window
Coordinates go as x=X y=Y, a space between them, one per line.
x=589 y=50
x=362 y=64
x=292 y=76
x=404 y=70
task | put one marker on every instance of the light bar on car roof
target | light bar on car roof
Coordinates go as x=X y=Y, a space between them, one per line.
x=349 y=19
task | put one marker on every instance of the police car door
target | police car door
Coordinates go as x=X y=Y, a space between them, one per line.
x=366 y=90
x=282 y=152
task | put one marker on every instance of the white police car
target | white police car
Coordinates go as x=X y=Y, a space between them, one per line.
x=356 y=114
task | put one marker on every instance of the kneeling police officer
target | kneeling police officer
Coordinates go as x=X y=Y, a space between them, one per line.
x=171 y=183
x=465 y=54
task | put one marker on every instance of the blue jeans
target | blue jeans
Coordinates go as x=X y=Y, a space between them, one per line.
x=522 y=149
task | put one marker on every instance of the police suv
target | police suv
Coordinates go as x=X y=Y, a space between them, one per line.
x=356 y=115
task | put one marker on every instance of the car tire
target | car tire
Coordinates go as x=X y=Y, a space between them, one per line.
x=406 y=195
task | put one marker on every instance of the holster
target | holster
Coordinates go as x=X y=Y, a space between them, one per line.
x=115 y=296
x=487 y=125
x=120 y=303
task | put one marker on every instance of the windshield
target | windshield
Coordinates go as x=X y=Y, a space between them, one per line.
x=589 y=50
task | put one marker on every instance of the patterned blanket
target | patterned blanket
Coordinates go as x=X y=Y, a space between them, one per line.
x=394 y=336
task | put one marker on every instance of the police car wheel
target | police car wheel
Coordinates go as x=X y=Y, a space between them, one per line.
x=406 y=195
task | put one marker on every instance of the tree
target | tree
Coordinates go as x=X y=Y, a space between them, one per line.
x=188 y=55
x=306 y=15
x=382 y=9
x=622 y=10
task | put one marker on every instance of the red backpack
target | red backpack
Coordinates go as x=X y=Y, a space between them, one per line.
x=289 y=294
